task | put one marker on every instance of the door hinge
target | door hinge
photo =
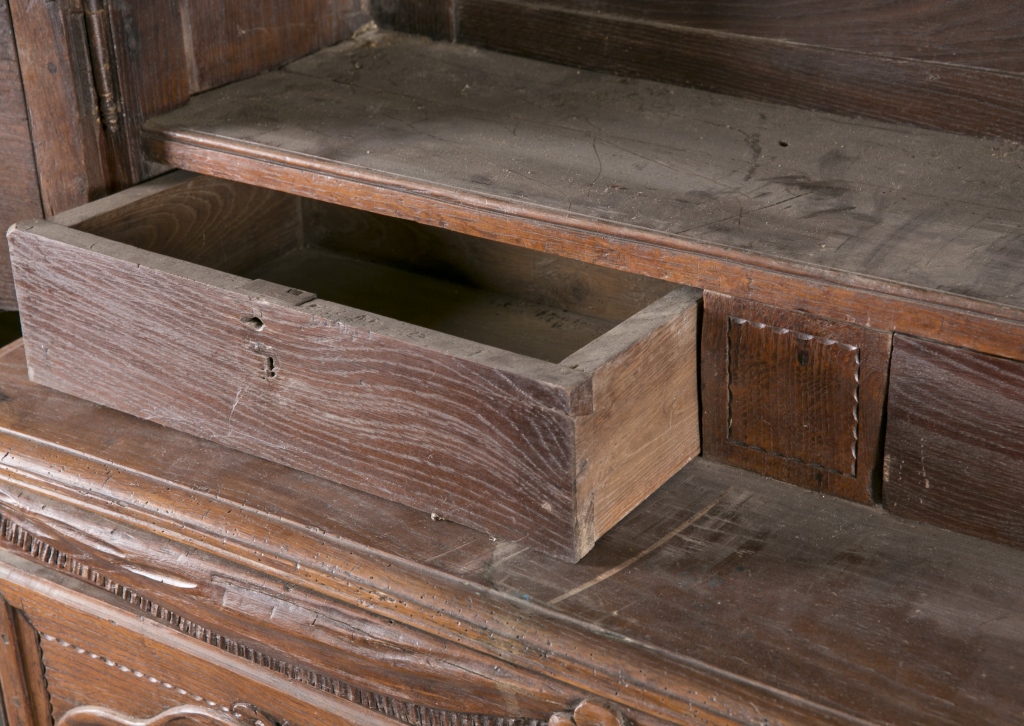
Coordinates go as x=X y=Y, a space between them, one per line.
x=97 y=23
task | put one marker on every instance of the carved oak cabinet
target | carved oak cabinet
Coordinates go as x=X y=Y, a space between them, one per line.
x=849 y=547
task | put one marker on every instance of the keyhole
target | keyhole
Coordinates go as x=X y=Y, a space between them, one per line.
x=271 y=370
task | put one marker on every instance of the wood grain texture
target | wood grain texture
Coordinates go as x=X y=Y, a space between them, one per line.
x=840 y=222
x=230 y=226
x=229 y=41
x=151 y=74
x=454 y=434
x=543 y=279
x=726 y=597
x=26 y=701
x=953 y=445
x=936 y=69
x=793 y=397
x=503 y=321
x=458 y=428
x=988 y=37
x=75 y=160
x=645 y=421
x=19 y=185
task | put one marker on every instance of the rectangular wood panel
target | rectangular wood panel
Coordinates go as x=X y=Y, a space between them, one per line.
x=234 y=40
x=106 y=666
x=990 y=36
x=954 y=446
x=832 y=65
x=19 y=183
x=67 y=134
x=793 y=397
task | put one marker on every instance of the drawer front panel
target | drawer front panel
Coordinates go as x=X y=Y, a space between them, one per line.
x=954 y=447
x=792 y=396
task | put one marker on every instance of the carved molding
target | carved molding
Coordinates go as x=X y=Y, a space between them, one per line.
x=591 y=712
x=16 y=536
x=243 y=714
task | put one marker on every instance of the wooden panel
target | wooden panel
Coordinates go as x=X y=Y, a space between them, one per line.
x=151 y=75
x=645 y=423
x=990 y=36
x=954 y=444
x=540 y=278
x=791 y=208
x=881 y=59
x=19 y=184
x=793 y=397
x=230 y=226
x=70 y=147
x=229 y=41
x=432 y=18
x=726 y=597
x=25 y=698
x=151 y=55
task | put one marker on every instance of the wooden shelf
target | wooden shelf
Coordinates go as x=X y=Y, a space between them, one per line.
x=885 y=226
x=726 y=597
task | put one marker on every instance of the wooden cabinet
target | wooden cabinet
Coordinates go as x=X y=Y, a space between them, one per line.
x=861 y=283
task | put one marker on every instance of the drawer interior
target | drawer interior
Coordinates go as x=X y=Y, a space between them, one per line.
x=513 y=298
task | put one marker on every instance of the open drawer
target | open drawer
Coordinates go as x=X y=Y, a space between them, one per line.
x=533 y=397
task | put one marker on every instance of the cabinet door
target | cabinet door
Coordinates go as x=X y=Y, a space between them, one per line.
x=19 y=185
x=78 y=78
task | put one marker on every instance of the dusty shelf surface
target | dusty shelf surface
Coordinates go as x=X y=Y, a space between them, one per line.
x=721 y=193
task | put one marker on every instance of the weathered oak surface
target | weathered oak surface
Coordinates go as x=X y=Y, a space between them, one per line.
x=921 y=62
x=725 y=597
x=954 y=446
x=885 y=226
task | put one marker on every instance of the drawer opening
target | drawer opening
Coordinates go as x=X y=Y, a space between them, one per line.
x=513 y=298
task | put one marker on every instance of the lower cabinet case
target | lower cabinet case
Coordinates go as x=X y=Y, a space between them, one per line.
x=141 y=631
x=532 y=397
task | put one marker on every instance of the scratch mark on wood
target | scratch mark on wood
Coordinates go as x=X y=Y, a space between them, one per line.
x=636 y=558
